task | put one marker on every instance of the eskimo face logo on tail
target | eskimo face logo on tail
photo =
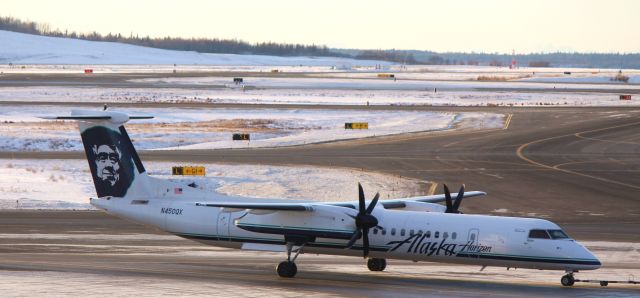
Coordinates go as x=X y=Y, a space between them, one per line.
x=107 y=163
x=110 y=163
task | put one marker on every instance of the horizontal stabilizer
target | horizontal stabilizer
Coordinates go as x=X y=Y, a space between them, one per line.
x=76 y=117
x=91 y=115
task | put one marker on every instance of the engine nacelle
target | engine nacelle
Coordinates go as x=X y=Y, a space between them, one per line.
x=320 y=222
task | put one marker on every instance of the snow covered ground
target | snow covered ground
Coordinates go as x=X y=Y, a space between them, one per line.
x=67 y=184
x=376 y=84
x=586 y=79
x=312 y=96
x=19 y=48
x=183 y=128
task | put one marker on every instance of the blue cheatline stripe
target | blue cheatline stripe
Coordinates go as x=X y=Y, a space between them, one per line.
x=276 y=241
x=386 y=249
x=530 y=259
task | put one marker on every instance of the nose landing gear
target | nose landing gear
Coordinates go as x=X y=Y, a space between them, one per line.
x=376 y=264
x=568 y=280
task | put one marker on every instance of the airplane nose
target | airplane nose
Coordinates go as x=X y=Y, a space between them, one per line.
x=591 y=261
x=596 y=262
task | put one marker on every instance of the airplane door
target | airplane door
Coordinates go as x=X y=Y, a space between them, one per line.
x=473 y=236
x=223 y=225
x=473 y=239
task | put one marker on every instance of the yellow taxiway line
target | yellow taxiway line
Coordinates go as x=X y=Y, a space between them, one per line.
x=432 y=189
x=521 y=155
x=506 y=123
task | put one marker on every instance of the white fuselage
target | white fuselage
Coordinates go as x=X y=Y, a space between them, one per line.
x=409 y=235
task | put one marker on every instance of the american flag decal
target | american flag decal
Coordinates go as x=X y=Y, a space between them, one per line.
x=177 y=190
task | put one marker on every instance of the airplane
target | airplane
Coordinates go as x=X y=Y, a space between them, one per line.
x=415 y=228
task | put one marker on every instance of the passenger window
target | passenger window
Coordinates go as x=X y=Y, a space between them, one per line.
x=558 y=234
x=411 y=233
x=393 y=231
x=383 y=232
x=375 y=231
x=454 y=235
x=445 y=235
x=402 y=232
x=420 y=232
x=539 y=234
x=472 y=237
x=428 y=234
x=436 y=235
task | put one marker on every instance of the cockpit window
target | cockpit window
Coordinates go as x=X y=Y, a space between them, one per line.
x=558 y=234
x=539 y=234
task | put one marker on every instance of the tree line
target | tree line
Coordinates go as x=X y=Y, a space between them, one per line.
x=235 y=46
x=203 y=45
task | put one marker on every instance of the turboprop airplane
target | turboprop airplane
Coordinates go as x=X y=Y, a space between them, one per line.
x=415 y=228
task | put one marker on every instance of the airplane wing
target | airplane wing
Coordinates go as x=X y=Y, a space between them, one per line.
x=309 y=206
x=401 y=203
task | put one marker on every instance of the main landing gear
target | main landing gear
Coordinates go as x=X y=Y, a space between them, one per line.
x=568 y=280
x=288 y=268
x=376 y=264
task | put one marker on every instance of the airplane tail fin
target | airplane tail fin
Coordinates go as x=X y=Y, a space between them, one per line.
x=114 y=163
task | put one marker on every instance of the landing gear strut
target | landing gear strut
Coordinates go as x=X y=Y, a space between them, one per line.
x=376 y=264
x=568 y=280
x=288 y=268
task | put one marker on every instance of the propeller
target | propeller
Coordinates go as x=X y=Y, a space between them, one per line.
x=364 y=221
x=452 y=207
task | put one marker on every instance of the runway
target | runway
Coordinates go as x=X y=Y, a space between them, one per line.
x=576 y=166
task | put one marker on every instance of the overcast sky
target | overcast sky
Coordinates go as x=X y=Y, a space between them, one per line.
x=481 y=26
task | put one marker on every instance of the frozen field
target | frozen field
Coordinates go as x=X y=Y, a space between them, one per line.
x=67 y=184
x=374 y=83
x=19 y=48
x=183 y=128
x=311 y=96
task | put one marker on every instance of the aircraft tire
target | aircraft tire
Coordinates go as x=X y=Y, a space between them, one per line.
x=567 y=280
x=287 y=269
x=376 y=264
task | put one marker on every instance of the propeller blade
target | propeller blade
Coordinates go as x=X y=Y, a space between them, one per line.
x=456 y=203
x=373 y=203
x=354 y=238
x=365 y=243
x=447 y=196
x=361 y=202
